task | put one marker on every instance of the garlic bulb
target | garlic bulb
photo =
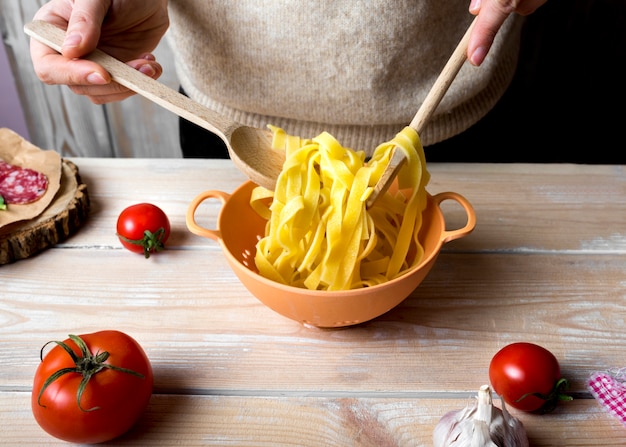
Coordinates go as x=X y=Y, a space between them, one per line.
x=480 y=425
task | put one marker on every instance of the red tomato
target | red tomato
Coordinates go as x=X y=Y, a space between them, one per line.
x=113 y=398
x=527 y=377
x=143 y=228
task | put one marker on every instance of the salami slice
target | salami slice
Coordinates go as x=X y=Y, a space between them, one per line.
x=19 y=185
x=4 y=167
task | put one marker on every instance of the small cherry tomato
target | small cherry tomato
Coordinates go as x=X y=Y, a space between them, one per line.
x=91 y=388
x=527 y=377
x=143 y=228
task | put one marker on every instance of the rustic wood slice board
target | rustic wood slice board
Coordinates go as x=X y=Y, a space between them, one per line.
x=63 y=217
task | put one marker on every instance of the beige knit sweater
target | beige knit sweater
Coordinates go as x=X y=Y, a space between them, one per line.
x=358 y=69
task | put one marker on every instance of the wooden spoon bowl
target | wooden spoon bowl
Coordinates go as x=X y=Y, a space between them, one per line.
x=249 y=147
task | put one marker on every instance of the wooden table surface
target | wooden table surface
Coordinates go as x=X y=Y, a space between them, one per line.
x=545 y=264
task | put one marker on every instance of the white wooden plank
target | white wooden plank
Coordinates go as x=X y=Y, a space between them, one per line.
x=227 y=368
x=310 y=421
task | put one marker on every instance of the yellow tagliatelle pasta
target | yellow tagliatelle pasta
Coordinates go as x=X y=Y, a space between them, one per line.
x=320 y=235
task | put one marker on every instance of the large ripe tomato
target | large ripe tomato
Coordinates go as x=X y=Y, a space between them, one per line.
x=97 y=392
x=143 y=228
x=527 y=377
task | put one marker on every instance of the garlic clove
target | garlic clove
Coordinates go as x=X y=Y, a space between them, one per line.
x=480 y=424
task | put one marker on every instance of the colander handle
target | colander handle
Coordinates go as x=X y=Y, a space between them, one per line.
x=450 y=235
x=191 y=214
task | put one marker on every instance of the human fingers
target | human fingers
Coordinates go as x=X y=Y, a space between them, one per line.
x=102 y=94
x=82 y=20
x=526 y=7
x=521 y=7
x=491 y=16
x=53 y=68
x=84 y=27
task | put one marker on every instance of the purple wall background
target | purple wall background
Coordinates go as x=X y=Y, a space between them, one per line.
x=11 y=114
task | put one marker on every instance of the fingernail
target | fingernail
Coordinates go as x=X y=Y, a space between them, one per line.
x=478 y=56
x=96 y=78
x=148 y=57
x=72 y=40
x=148 y=70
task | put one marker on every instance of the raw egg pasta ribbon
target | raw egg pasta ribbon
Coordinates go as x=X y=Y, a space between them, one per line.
x=415 y=177
x=319 y=233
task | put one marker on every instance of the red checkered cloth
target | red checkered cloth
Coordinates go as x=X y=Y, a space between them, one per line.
x=609 y=388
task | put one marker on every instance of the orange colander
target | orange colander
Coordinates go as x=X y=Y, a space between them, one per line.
x=239 y=228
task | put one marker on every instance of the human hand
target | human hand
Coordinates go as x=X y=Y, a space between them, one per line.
x=491 y=16
x=126 y=29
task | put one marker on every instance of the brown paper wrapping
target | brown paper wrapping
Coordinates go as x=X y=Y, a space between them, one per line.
x=17 y=151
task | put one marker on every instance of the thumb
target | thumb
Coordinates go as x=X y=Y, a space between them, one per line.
x=83 y=28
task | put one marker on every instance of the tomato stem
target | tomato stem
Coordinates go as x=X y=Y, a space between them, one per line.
x=87 y=364
x=150 y=241
x=551 y=399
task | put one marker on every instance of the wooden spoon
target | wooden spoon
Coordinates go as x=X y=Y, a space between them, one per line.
x=426 y=110
x=249 y=147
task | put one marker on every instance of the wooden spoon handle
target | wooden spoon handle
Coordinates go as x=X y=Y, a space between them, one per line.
x=443 y=82
x=136 y=81
x=426 y=110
